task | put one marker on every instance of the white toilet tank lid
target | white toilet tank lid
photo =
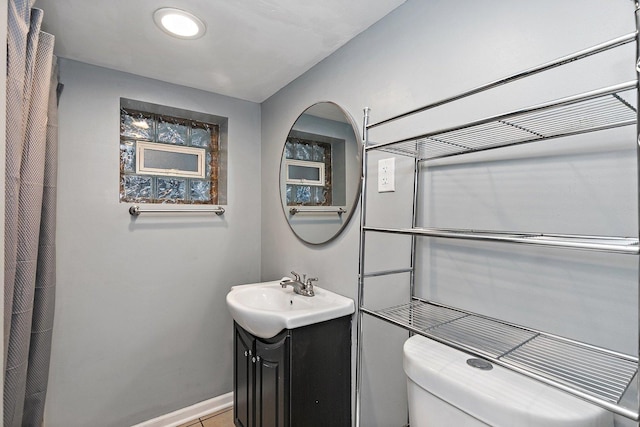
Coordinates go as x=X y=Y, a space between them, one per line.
x=499 y=397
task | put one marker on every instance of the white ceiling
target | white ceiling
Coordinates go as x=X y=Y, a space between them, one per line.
x=252 y=48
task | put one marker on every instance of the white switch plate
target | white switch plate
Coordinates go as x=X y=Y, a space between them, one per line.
x=386 y=175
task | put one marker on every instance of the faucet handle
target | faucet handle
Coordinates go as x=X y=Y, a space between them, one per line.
x=296 y=276
x=311 y=279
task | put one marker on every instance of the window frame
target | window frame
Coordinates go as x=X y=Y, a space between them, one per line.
x=320 y=182
x=143 y=146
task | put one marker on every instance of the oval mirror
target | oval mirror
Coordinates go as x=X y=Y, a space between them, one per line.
x=320 y=173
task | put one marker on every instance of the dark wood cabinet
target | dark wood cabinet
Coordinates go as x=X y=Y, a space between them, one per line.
x=271 y=377
x=300 y=377
x=243 y=377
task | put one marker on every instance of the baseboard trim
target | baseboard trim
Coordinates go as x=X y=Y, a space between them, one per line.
x=217 y=404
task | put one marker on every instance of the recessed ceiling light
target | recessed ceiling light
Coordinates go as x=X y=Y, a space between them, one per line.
x=179 y=23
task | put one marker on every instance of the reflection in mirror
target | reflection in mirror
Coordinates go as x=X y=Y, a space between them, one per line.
x=320 y=173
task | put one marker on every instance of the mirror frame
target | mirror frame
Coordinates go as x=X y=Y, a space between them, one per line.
x=351 y=205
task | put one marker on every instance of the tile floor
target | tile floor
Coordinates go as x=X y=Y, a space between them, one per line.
x=222 y=419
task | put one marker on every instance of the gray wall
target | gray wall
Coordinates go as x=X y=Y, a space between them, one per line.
x=424 y=51
x=141 y=325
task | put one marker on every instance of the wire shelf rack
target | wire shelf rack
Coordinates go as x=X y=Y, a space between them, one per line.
x=606 y=378
x=597 y=110
x=592 y=373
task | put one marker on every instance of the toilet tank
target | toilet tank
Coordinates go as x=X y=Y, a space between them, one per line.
x=439 y=375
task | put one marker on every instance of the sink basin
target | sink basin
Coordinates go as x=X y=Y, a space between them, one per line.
x=264 y=309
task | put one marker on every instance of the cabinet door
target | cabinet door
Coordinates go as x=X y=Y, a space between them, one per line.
x=243 y=378
x=321 y=374
x=272 y=383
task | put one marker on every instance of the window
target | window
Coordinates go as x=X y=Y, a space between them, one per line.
x=305 y=173
x=160 y=159
x=169 y=155
x=308 y=171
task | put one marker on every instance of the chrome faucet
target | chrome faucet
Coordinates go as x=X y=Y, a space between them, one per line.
x=301 y=287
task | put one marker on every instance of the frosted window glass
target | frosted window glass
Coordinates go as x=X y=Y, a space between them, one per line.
x=158 y=159
x=289 y=149
x=318 y=153
x=200 y=137
x=303 y=194
x=136 y=125
x=290 y=195
x=137 y=187
x=304 y=172
x=303 y=152
x=200 y=190
x=172 y=132
x=172 y=188
x=209 y=161
x=128 y=156
x=318 y=196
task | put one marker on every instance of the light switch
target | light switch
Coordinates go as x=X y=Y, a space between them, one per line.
x=386 y=175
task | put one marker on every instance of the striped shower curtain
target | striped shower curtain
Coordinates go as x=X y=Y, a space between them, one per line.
x=30 y=207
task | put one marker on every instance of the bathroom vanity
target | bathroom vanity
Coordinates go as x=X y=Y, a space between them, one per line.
x=300 y=377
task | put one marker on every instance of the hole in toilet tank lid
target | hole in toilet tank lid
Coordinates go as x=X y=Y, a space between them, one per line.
x=480 y=364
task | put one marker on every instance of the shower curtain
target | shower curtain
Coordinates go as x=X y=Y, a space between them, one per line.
x=30 y=206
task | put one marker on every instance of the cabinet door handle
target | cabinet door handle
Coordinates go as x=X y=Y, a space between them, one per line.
x=258 y=358
x=246 y=353
x=249 y=352
x=253 y=359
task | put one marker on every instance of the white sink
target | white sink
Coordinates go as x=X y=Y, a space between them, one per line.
x=264 y=309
